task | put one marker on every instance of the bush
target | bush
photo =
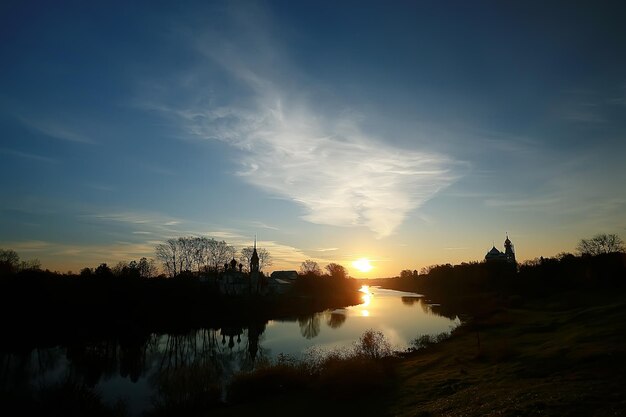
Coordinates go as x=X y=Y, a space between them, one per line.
x=340 y=373
x=426 y=340
x=373 y=345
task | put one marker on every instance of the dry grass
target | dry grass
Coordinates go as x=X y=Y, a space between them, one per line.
x=561 y=358
x=548 y=362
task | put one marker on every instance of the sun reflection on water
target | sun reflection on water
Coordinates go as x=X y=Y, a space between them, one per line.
x=366 y=296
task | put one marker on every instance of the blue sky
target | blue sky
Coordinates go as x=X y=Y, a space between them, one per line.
x=411 y=133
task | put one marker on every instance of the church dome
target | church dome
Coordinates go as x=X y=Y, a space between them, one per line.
x=493 y=252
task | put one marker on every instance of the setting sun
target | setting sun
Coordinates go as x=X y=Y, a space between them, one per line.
x=362 y=265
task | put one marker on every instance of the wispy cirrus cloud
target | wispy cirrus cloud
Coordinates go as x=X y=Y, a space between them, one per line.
x=327 y=249
x=28 y=155
x=140 y=223
x=54 y=129
x=338 y=173
x=296 y=149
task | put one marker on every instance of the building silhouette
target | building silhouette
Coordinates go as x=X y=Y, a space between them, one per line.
x=508 y=256
x=233 y=281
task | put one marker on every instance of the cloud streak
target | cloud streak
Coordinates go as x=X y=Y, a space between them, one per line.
x=292 y=148
x=55 y=130
x=339 y=174
x=28 y=155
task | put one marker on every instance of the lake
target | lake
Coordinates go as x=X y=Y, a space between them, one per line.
x=133 y=370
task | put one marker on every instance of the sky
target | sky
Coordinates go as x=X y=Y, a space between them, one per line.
x=408 y=133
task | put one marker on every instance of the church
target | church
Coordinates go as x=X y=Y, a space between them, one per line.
x=508 y=256
x=234 y=282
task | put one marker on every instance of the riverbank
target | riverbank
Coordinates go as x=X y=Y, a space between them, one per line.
x=561 y=356
x=558 y=356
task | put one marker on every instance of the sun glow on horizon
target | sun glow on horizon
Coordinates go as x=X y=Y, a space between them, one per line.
x=363 y=265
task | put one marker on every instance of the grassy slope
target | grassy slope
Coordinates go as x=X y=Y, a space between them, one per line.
x=555 y=358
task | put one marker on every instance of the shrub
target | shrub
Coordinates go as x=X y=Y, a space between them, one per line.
x=341 y=373
x=426 y=340
x=373 y=345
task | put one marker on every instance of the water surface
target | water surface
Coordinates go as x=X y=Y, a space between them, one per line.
x=136 y=370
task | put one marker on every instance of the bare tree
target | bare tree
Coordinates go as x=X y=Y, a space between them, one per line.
x=186 y=249
x=9 y=261
x=310 y=267
x=147 y=268
x=169 y=255
x=265 y=259
x=121 y=268
x=30 y=265
x=200 y=252
x=601 y=243
x=193 y=254
x=337 y=271
x=219 y=253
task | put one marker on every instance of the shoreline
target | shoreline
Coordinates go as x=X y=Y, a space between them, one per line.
x=559 y=356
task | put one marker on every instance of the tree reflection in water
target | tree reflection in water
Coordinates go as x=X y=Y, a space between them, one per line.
x=309 y=326
x=409 y=301
x=18 y=370
x=336 y=318
x=183 y=370
x=195 y=368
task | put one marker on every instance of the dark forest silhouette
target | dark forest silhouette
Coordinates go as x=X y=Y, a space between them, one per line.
x=107 y=300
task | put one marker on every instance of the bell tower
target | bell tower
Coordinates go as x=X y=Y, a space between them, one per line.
x=254 y=259
x=509 y=251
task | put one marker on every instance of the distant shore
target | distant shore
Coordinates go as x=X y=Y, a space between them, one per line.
x=45 y=309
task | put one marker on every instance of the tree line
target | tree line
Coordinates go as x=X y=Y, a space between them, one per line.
x=204 y=255
x=144 y=268
x=10 y=262
x=310 y=268
x=599 y=244
x=599 y=264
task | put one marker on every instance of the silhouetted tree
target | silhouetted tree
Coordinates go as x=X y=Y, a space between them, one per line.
x=219 y=253
x=169 y=255
x=373 y=345
x=9 y=261
x=601 y=243
x=310 y=267
x=103 y=270
x=337 y=271
x=30 y=265
x=406 y=274
x=147 y=268
x=192 y=254
x=426 y=270
x=200 y=253
x=186 y=250
x=120 y=269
